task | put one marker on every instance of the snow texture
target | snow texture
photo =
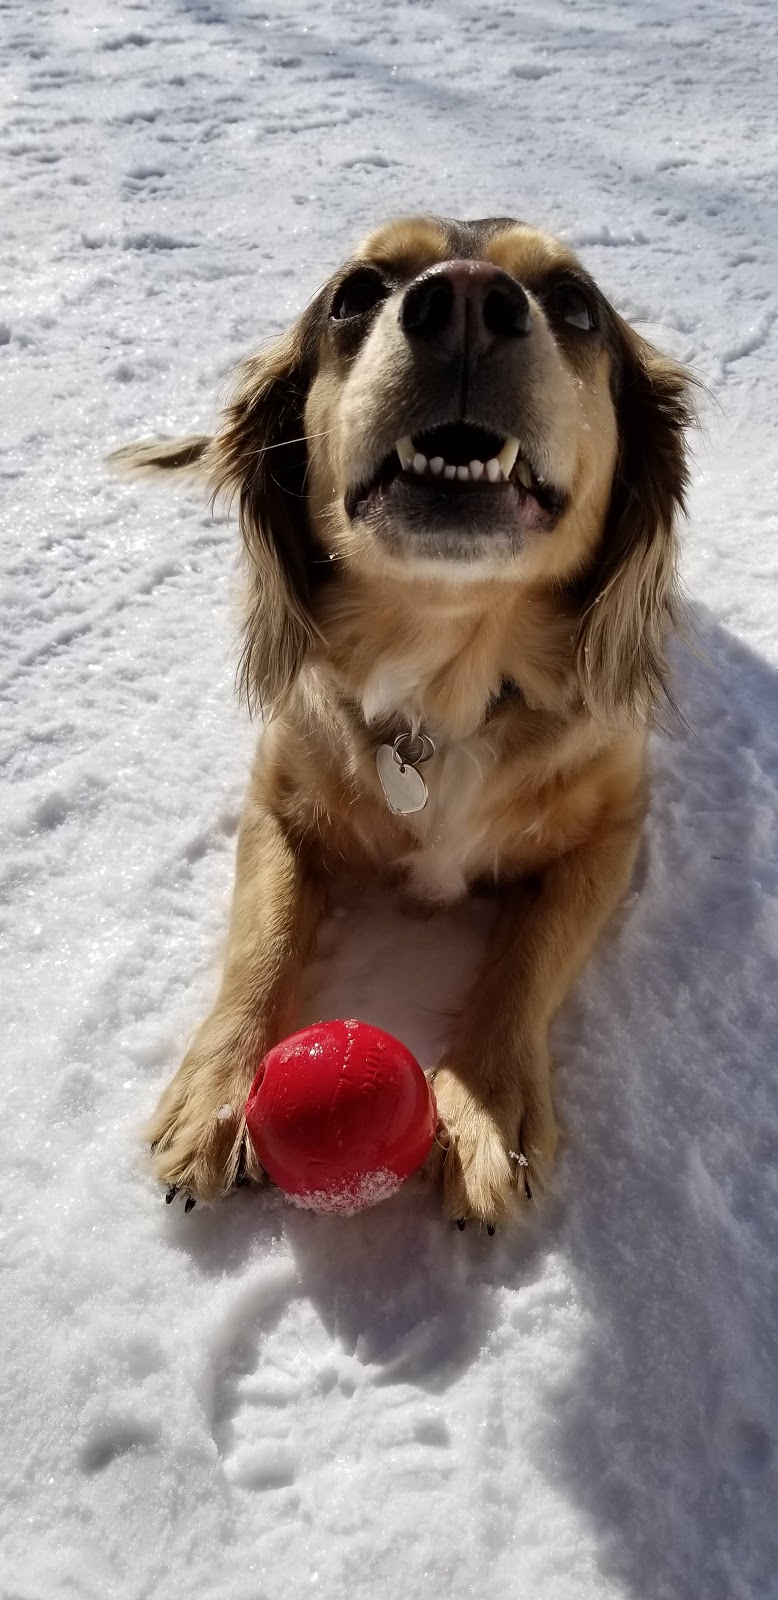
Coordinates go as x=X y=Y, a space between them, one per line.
x=366 y=1189
x=252 y=1402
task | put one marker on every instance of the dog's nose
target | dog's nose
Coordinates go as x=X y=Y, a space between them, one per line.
x=465 y=303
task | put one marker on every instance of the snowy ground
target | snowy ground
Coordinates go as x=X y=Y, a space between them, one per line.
x=251 y=1403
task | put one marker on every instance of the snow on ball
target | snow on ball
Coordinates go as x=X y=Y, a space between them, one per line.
x=340 y=1114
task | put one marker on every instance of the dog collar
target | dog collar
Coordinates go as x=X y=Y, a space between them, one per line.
x=508 y=690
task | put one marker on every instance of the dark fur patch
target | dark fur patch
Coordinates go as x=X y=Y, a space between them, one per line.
x=629 y=601
x=260 y=454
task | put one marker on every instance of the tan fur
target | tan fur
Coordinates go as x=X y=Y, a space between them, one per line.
x=344 y=643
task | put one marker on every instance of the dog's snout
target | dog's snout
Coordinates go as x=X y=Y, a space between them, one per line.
x=465 y=303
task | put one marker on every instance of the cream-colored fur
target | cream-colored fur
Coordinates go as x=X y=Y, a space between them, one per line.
x=540 y=791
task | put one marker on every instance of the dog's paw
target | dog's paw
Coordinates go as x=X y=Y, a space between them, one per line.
x=199 y=1144
x=494 y=1157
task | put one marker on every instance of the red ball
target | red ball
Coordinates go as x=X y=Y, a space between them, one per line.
x=340 y=1114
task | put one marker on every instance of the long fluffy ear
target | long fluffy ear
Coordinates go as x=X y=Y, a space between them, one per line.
x=632 y=603
x=260 y=455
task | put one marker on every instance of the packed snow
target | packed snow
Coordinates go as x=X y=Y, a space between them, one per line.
x=253 y=1402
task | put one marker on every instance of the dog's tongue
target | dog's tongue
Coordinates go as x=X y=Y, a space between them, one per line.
x=530 y=513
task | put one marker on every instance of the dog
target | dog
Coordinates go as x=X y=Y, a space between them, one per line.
x=459 y=478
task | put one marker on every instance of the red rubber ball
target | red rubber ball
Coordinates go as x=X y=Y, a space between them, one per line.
x=340 y=1114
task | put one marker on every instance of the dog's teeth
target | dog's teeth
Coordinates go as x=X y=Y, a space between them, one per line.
x=507 y=456
x=500 y=466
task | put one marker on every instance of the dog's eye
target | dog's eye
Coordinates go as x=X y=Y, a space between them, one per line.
x=360 y=293
x=573 y=307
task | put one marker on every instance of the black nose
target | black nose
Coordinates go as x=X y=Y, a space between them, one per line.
x=465 y=303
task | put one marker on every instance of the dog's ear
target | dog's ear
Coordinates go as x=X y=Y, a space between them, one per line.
x=632 y=602
x=259 y=454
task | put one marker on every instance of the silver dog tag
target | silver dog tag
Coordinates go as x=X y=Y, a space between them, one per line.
x=404 y=788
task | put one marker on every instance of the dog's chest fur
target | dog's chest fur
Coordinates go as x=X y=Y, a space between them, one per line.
x=450 y=833
x=438 y=668
x=449 y=830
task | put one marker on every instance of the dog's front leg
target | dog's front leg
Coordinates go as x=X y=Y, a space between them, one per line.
x=198 y=1132
x=493 y=1087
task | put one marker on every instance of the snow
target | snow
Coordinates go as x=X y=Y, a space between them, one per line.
x=252 y=1402
x=346 y=1201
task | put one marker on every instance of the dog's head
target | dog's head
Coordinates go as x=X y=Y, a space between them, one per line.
x=460 y=402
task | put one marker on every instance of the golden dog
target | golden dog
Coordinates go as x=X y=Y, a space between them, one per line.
x=459 y=476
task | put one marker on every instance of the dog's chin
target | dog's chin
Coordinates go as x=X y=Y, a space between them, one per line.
x=475 y=526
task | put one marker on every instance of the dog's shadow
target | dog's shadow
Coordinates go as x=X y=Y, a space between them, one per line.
x=664 y=1430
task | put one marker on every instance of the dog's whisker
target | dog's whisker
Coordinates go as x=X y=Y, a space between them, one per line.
x=282 y=444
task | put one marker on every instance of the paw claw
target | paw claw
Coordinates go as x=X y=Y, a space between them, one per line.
x=487 y=1176
x=171 y=1193
x=189 y=1204
x=461 y=1224
x=522 y=1170
x=198 y=1128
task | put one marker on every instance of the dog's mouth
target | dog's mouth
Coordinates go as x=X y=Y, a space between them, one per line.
x=459 y=468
